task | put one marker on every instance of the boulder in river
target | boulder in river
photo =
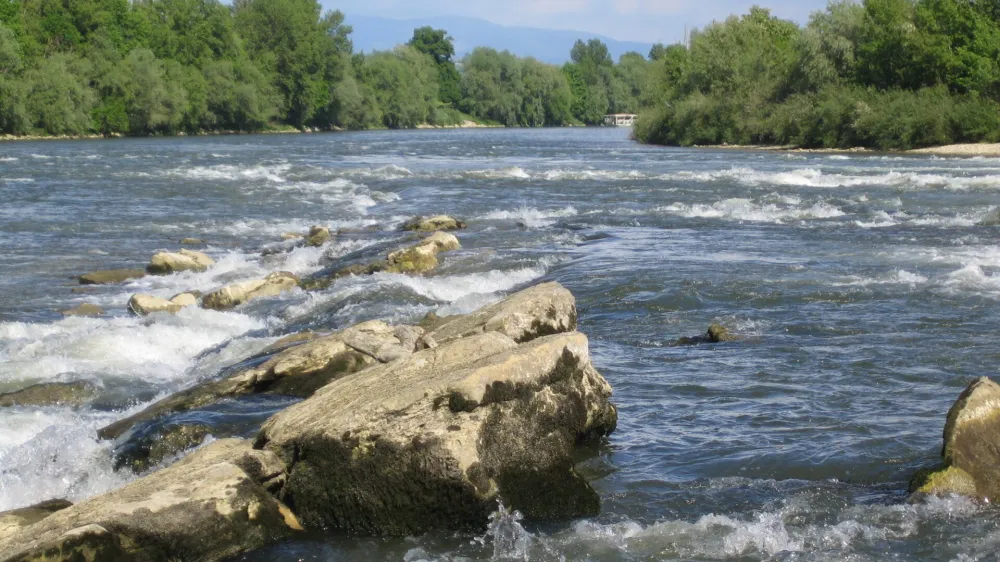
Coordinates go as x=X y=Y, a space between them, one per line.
x=971 y=453
x=144 y=305
x=13 y=521
x=212 y=505
x=50 y=394
x=191 y=242
x=716 y=333
x=421 y=257
x=110 y=276
x=246 y=291
x=296 y=371
x=431 y=224
x=434 y=440
x=83 y=310
x=544 y=309
x=318 y=235
x=164 y=263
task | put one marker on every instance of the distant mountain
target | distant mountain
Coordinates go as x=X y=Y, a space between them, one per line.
x=373 y=33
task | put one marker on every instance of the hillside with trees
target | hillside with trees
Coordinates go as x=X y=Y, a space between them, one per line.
x=886 y=74
x=161 y=67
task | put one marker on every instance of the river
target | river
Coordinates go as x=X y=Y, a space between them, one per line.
x=863 y=286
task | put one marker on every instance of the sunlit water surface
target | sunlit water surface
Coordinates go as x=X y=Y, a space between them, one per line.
x=865 y=288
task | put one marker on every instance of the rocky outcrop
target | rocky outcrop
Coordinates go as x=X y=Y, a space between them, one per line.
x=433 y=440
x=13 y=521
x=165 y=263
x=318 y=235
x=110 y=276
x=541 y=310
x=212 y=505
x=144 y=305
x=50 y=394
x=971 y=453
x=240 y=293
x=432 y=224
x=297 y=371
x=83 y=310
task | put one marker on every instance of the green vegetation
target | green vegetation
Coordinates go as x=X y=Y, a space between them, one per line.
x=160 y=67
x=887 y=74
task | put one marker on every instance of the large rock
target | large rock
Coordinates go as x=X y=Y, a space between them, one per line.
x=110 y=276
x=240 y=293
x=297 y=371
x=50 y=394
x=144 y=305
x=541 y=310
x=971 y=453
x=154 y=447
x=164 y=263
x=13 y=521
x=431 y=224
x=210 y=506
x=434 y=440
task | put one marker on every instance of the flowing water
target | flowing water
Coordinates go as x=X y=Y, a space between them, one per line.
x=865 y=288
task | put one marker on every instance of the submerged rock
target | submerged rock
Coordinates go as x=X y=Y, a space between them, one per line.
x=83 y=310
x=111 y=276
x=431 y=224
x=151 y=448
x=434 y=440
x=13 y=521
x=971 y=453
x=297 y=371
x=717 y=333
x=212 y=505
x=50 y=394
x=164 y=263
x=240 y=293
x=192 y=241
x=144 y=305
x=318 y=235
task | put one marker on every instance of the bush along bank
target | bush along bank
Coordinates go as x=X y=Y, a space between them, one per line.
x=883 y=74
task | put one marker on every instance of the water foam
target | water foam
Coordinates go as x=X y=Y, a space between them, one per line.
x=530 y=216
x=748 y=210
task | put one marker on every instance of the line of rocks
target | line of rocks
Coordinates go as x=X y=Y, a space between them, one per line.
x=403 y=430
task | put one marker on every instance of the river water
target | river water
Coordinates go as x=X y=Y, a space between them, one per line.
x=864 y=286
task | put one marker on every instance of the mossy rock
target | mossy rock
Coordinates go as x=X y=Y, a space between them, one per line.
x=148 y=449
x=50 y=394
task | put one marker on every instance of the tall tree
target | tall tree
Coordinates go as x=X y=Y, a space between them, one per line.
x=440 y=46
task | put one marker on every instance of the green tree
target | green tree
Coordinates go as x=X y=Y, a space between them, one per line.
x=440 y=46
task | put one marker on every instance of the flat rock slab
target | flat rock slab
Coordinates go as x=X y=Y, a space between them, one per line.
x=210 y=506
x=50 y=394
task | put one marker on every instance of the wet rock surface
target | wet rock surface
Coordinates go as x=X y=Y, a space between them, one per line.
x=111 y=276
x=50 y=394
x=165 y=263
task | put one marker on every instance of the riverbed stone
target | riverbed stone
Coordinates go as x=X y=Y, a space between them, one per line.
x=297 y=371
x=246 y=291
x=164 y=263
x=13 y=521
x=83 y=310
x=544 y=309
x=431 y=224
x=212 y=505
x=422 y=257
x=51 y=394
x=111 y=276
x=191 y=242
x=971 y=452
x=318 y=235
x=434 y=440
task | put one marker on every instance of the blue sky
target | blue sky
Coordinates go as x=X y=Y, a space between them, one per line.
x=630 y=20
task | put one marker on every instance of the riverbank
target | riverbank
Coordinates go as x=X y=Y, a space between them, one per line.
x=968 y=149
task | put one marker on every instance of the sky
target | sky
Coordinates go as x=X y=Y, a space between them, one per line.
x=647 y=21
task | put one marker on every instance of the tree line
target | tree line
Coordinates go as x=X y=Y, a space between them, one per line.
x=888 y=74
x=144 y=67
